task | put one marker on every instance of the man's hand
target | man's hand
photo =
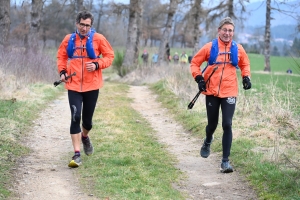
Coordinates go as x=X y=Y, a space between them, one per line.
x=201 y=83
x=246 y=83
x=63 y=76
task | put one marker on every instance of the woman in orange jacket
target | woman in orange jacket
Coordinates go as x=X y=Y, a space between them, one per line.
x=223 y=56
x=86 y=53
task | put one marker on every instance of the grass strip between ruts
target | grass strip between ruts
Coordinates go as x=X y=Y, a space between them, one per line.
x=128 y=162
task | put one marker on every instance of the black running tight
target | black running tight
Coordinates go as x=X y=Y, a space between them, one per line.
x=212 y=108
x=84 y=102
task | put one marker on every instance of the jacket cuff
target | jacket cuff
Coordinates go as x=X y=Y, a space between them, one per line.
x=97 y=65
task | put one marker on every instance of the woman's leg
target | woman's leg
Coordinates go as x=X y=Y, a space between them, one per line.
x=228 y=108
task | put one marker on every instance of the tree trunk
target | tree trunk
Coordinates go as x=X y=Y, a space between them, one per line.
x=35 y=23
x=164 y=44
x=4 y=21
x=230 y=9
x=99 y=16
x=267 y=37
x=79 y=6
x=134 y=30
x=196 y=11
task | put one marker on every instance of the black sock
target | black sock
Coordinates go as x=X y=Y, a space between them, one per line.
x=84 y=137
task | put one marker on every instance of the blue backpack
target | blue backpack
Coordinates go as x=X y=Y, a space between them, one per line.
x=214 y=52
x=89 y=46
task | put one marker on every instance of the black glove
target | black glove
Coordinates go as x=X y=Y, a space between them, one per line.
x=201 y=83
x=246 y=83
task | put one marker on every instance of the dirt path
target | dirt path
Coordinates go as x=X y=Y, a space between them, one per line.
x=44 y=173
x=204 y=179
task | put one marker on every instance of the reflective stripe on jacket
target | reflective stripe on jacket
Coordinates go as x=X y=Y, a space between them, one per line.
x=223 y=83
x=84 y=80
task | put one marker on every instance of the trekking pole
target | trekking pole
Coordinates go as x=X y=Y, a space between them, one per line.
x=192 y=103
x=56 y=83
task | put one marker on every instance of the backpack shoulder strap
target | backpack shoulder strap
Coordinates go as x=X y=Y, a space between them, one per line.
x=213 y=52
x=234 y=53
x=71 y=45
x=89 y=45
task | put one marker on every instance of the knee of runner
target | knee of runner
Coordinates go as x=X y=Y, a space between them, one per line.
x=226 y=126
x=87 y=126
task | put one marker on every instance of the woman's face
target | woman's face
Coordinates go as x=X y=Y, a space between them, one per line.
x=226 y=32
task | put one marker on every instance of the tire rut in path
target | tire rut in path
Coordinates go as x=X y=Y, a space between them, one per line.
x=44 y=173
x=204 y=180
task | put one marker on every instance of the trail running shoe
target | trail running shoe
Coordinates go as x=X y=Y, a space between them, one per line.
x=75 y=162
x=87 y=146
x=226 y=167
x=205 y=149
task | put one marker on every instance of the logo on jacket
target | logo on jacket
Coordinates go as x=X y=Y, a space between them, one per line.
x=231 y=100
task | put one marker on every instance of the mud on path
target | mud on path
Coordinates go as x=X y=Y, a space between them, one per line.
x=44 y=173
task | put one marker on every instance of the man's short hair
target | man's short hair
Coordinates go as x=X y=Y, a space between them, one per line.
x=84 y=15
x=226 y=20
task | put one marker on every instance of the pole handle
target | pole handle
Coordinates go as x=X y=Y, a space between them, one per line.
x=56 y=83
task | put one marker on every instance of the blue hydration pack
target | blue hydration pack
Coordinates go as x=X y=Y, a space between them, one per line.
x=89 y=46
x=214 y=52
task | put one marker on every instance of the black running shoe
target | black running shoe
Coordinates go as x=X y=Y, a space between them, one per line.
x=87 y=146
x=226 y=167
x=205 y=149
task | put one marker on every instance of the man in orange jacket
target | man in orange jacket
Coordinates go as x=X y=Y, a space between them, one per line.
x=221 y=89
x=80 y=53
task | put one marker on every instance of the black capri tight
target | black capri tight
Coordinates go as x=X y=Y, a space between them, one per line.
x=227 y=107
x=84 y=102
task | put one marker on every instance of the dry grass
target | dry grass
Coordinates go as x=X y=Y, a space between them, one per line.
x=18 y=71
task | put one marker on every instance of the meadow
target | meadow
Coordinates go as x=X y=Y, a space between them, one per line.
x=266 y=127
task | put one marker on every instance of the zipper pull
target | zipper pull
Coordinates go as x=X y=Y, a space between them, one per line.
x=83 y=48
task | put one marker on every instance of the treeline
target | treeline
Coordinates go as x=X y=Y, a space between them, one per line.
x=36 y=24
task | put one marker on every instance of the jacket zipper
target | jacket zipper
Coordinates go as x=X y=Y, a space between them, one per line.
x=222 y=70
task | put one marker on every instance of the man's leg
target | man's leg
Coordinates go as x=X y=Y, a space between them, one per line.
x=89 y=103
x=75 y=101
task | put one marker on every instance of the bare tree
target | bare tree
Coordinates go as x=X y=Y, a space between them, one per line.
x=134 y=31
x=163 y=57
x=224 y=9
x=195 y=16
x=79 y=6
x=35 y=23
x=4 y=21
x=99 y=16
x=267 y=36
x=269 y=9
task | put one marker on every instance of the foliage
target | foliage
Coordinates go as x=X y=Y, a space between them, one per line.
x=117 y=63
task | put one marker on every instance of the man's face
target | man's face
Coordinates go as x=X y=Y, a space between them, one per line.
x=226 y=32
x=84 y=26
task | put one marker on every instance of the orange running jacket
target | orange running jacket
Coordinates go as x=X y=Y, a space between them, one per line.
x=223 y=83
x=84 y=80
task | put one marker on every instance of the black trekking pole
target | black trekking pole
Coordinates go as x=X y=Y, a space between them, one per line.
x=192 y=103
x=56 y=83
